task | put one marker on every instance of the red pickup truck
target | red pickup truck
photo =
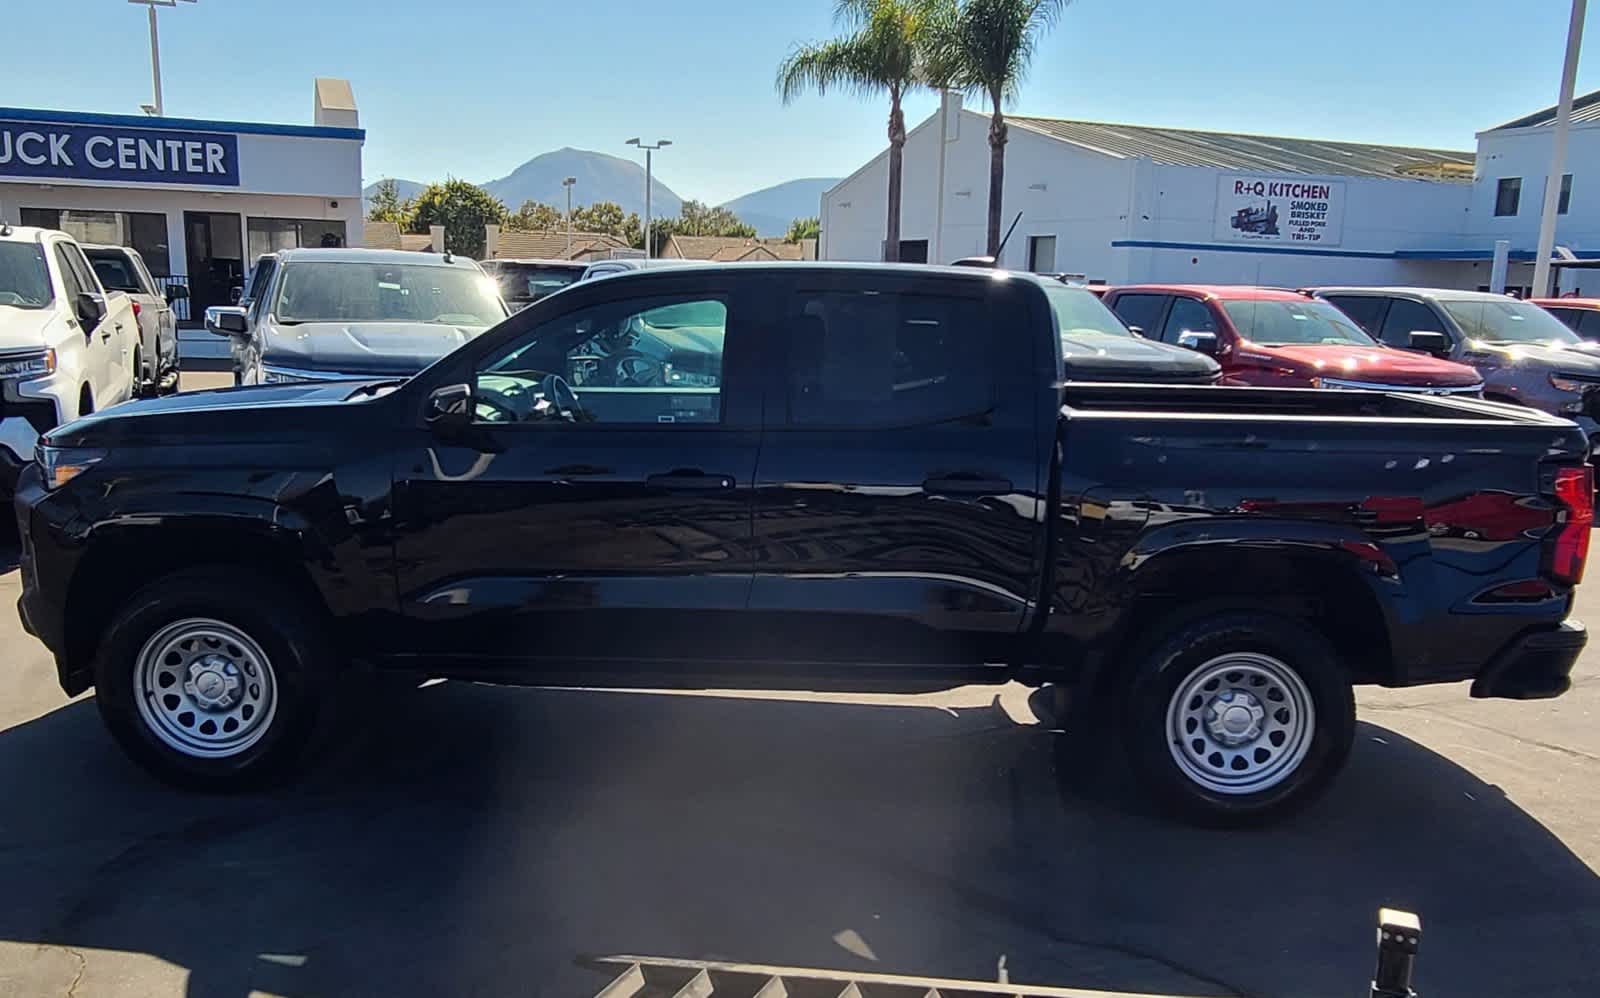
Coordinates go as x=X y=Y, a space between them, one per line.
x=1273 y=337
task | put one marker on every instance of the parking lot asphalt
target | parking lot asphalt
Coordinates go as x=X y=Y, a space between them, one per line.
x=466 y=839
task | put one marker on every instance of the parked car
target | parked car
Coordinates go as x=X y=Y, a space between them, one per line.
x=888 y=487
x=626 y=265
x=1278 y=338
x=1525 y=354
x=1097 y=346
x=67 y=345
x=1581 y=315
x=523 y=282
x=332 y=314
x=122 y=268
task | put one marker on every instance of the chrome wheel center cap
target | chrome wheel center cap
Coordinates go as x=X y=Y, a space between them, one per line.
x=213 y=682
x=1234 y=717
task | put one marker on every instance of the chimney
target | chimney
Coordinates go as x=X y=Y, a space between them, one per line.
x=334 y=104
x=436 y=234
x=491 y=240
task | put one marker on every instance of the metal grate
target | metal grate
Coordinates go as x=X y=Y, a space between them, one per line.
x=655 y=977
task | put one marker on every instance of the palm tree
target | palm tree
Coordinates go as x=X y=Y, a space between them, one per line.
x=879 y=55
x=984 y=47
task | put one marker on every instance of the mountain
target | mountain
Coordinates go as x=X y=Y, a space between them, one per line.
x=771 y=209
x=407 y=188
x=600 y=178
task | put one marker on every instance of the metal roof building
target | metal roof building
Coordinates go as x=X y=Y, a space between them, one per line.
x=1124 y=203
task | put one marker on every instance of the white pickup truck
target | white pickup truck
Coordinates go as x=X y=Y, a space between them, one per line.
x=67 y=346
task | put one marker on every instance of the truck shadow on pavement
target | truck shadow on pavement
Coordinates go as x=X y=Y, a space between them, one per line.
x=473 y=839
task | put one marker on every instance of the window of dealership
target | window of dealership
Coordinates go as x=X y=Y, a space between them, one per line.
x=199 y=199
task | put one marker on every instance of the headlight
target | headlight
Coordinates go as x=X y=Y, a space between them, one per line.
x=1565 y=384
x=62 y=464
x=34 y=364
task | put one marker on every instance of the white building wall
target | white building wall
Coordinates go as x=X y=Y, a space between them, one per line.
x=1079 y=196
x=1525 y=153
x=1127 y=220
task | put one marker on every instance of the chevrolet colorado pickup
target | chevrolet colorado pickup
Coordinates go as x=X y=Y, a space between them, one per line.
x=870 y=477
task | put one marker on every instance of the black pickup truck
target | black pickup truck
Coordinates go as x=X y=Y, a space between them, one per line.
x=870 y=478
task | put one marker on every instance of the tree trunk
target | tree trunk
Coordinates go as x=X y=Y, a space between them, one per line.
x=897 y=148
x=997 y=177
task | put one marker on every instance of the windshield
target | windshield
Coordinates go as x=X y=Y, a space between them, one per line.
x=1506 y=320
x=24 y=281
x=1080 y=315
x=325 y=291
x=1294 y=323
x=529 y=282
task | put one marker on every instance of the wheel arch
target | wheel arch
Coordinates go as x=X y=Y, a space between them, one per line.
x=1324 y=589
x=124 y=560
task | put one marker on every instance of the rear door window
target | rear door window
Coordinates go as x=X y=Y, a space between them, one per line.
x=1589 y=325
x=1366 y=310
x=1141 y=310
x=1570 y=316
x=880 y=359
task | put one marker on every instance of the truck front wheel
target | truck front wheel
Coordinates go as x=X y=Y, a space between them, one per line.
x=1239 y=718
x=211 y=680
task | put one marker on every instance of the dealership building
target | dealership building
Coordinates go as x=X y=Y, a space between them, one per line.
x=1132 y=203
x=200 y=200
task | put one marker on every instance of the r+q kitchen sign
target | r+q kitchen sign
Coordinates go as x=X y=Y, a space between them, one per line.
x=1280 y=208
x=126 y=155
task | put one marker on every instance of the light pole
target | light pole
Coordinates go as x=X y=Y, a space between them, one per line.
x=567 y=183
x=1558 y=154
x=660 y=143
x=155 y=51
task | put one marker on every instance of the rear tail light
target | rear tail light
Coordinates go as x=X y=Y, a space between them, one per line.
x=135 y=310
x=1575 y=491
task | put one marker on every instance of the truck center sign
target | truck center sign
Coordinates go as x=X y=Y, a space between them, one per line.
x=121 y=155
x=1280 y=208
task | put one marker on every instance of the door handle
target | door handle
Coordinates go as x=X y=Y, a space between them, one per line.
x=690 y=481
x=966 y=483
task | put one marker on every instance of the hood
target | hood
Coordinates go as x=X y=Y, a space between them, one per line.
x=216 y=409
x=1377 y=364
x=377 y=348
x=23 y=328
x=1573 y=358
x=1129 y=358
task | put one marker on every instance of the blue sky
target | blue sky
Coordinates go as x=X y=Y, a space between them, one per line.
x=474 y=88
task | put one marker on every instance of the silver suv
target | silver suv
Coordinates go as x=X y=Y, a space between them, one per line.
x=1525 y=354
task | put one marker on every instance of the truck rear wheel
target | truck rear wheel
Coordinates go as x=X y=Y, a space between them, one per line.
x=212 y=680
x=1239 y=718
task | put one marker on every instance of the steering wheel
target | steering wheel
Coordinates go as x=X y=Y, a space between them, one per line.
x=563 y=400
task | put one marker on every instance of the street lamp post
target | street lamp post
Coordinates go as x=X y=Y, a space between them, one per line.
x=567 y=183
x=1558 y=153
x=660 y=143
x=158 y=109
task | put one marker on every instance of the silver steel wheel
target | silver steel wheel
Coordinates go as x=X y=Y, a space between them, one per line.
x=1241 y=723
x=205 y=688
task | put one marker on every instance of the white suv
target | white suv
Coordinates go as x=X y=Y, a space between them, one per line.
x=67 y=346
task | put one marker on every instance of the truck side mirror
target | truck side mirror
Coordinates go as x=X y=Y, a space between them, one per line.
x=1200 y=342
x=235 y=295
x=1437 y=344
x=176 y=292
x=449 y=407
x=227 y=320
x=90 y=309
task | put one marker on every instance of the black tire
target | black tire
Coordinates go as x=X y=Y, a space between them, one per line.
x=1259 y=644
x=281 y=625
